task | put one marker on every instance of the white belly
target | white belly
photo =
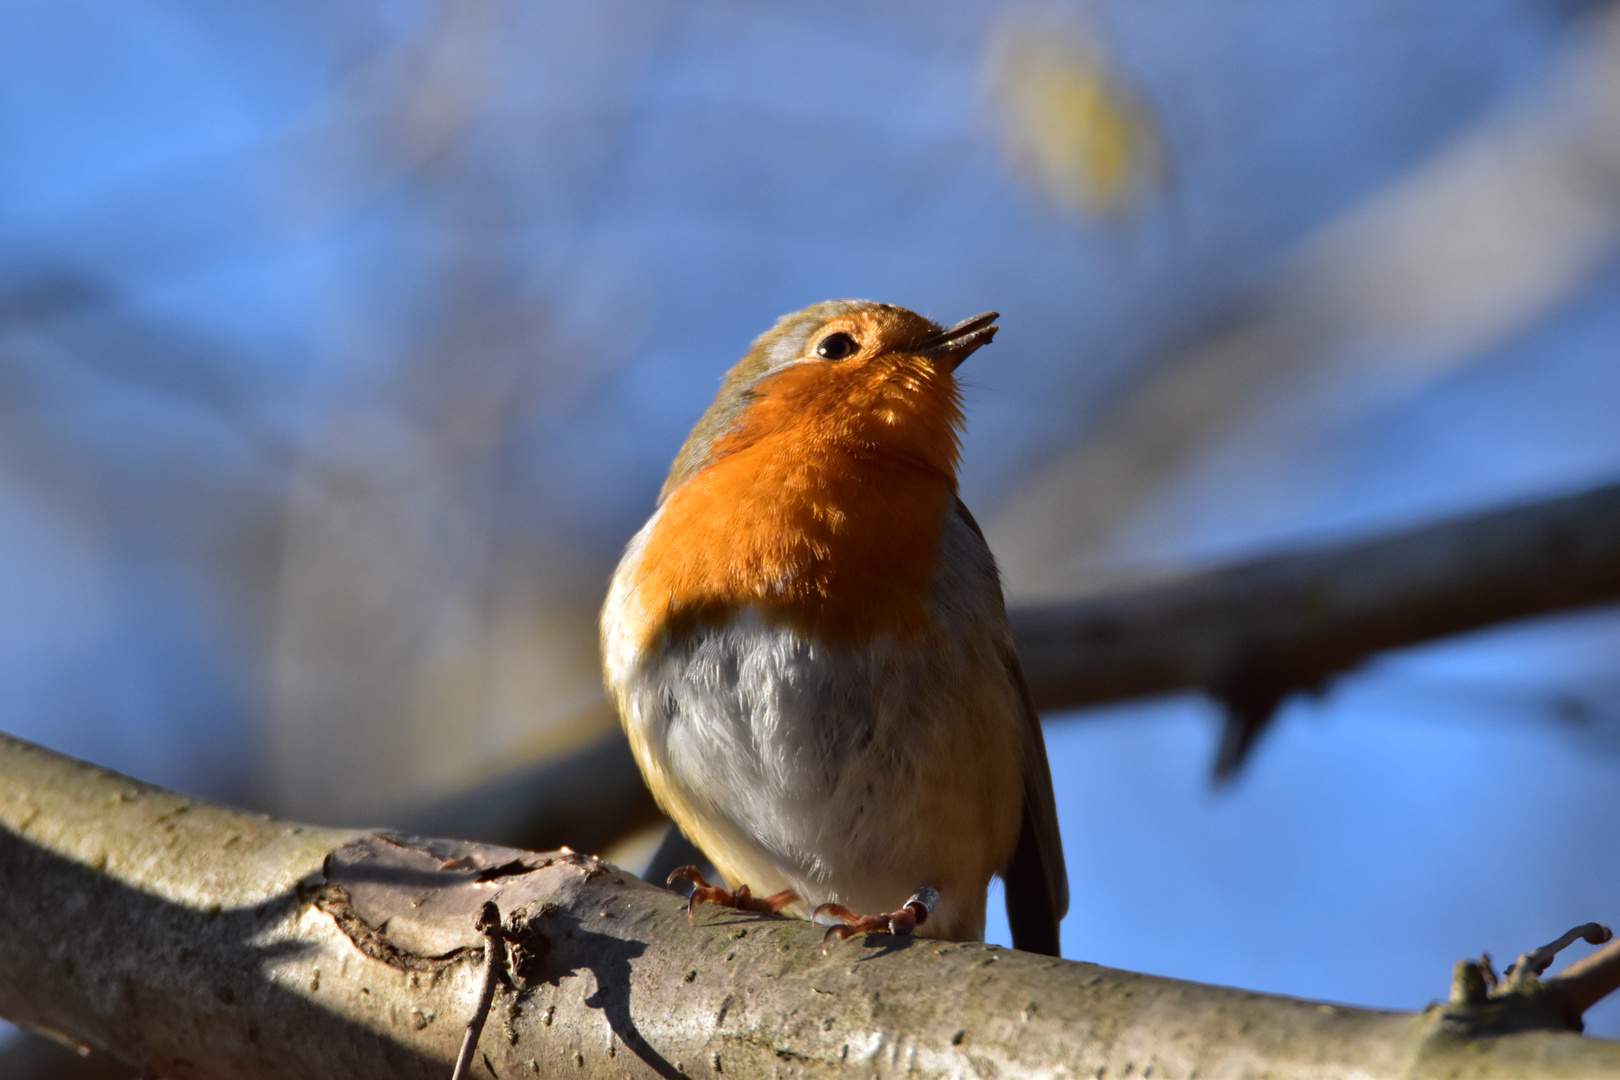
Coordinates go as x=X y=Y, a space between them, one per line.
x=852 y=775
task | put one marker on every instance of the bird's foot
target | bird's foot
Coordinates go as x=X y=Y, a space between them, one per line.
x=741 y=899
x=910 y=916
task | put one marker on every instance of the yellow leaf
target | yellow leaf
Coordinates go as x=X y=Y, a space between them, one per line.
x=1070 y=124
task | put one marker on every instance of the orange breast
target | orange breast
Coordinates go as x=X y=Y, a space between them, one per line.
x=823 y=510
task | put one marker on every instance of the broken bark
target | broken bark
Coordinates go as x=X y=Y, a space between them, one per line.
x=197 y=941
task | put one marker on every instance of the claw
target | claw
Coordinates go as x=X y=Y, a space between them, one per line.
x=912 y=914
x=742 y=899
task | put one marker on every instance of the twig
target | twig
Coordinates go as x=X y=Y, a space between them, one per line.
x=1533 y=963
x=1481 y=1004
x=489 y=921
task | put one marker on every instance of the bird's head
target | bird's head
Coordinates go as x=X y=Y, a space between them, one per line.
x=865 y=377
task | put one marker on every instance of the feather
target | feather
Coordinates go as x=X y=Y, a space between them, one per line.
x=1036 y=879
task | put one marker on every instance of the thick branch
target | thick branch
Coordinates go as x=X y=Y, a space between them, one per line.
x=197 y=941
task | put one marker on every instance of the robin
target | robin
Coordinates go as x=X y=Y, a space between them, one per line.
x=808 y=645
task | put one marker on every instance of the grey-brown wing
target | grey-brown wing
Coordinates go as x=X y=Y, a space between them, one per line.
x=1036 y=879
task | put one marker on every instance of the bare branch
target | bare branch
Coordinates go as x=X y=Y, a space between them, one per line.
x=1249 y=635
x=589 y=798
x=197 y=941
x=1253 y=633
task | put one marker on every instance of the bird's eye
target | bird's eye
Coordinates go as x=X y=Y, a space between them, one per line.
x=837 y=346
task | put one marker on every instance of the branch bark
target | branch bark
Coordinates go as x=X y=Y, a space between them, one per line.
x=197 y=941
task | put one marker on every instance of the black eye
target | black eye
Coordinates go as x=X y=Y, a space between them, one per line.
x=837 y=346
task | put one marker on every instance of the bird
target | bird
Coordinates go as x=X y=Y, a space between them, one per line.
x=808 y=646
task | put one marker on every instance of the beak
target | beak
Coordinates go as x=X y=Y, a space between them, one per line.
x=952 y=346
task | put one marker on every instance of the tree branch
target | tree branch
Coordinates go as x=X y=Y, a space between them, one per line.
x=1253 y=633
x=1249 y=635
x=197 y=941
x=589 y=798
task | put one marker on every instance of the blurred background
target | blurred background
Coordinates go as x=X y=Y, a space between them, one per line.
x=343 y=347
